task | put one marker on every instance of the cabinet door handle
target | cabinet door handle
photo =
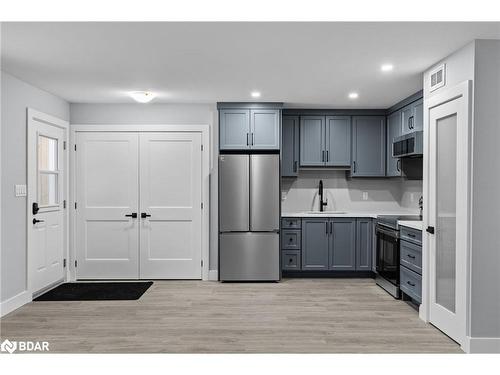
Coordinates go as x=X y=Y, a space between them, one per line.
x=253 y=139
x=133 y=215
x=411 y=256
x=331 y=227
x=248 y=144
x=410 y=122
x=295 y=164
x=398 y=164
x=354 y=166
x=144 y=215
x=326 y=227
x=327 y=157
x=410 y=283
x=323 y=156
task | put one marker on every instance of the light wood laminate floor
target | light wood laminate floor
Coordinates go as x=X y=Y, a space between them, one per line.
x=293 y=316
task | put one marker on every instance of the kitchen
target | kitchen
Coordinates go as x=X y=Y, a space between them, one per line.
x=349 y=180
x=345 y=210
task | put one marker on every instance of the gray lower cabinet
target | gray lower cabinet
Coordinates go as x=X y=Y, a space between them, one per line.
x=290 y=260
x=290 y=146
x=312 y=141
x=342 y=243
x=368 y=146
x=315 y=236
x=243 y=129
x=364 y=244
x=393 y=130
x=410 y=271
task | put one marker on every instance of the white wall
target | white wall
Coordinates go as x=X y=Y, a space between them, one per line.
x=180 y=114
x=16 y=97
x=343 y=194
x=485 y=262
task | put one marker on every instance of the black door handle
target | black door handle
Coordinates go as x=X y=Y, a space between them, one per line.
x=144 y=215
x=133 y=215
x=37 y=221
x=430 y=230
x=35 y=208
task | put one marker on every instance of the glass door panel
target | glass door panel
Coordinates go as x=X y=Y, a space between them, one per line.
x=446 y=182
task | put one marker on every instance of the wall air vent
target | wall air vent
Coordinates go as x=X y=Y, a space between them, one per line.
x=438 y=77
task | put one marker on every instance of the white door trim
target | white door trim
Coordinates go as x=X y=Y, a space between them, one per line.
x=204 y=129
x=32 y=116
x=464 y=90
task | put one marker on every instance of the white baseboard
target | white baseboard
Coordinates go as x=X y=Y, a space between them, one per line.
x=482 y=345
x=213 y=275
x=15 y=302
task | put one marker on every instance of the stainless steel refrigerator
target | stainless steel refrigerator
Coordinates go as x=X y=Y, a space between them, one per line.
x=249 y=205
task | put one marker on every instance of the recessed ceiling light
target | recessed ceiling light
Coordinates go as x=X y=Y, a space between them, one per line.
x=386 y=67
x=142 y=96
x=353 y=95
x=255 y=94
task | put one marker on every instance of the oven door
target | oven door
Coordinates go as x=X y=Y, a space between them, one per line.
x=388 y=254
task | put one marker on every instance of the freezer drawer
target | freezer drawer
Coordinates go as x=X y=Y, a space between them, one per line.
x=234 y=193
x=264 y=193
x=249 y=256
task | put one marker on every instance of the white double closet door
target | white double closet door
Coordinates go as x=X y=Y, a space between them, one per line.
x=156 y=176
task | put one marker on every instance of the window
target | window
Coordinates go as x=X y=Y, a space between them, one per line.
x=48 y=172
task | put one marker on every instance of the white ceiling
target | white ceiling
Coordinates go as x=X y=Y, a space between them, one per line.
x=301 y=64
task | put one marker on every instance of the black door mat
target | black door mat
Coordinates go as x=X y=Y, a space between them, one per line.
x=107 y=291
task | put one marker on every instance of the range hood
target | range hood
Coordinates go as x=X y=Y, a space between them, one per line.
x=408 y=145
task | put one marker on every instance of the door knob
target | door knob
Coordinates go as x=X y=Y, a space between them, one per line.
x=144 y=215
x=133 y=215
x=37 y=221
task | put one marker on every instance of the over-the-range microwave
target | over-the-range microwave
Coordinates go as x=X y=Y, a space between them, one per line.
x=408 y=145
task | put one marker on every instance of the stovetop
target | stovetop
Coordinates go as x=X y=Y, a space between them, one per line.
x=391 y=221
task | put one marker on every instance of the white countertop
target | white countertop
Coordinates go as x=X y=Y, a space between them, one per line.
x=372 y=215
x=411 y=224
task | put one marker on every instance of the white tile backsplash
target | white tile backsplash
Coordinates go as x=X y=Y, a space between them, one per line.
x=347 y=194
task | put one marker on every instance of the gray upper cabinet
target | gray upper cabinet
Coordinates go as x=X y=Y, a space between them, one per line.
x=394 y=129
x=242 y=129
x=342 y=256
x=290 y=146
x=315 y=233
x=364 y=244
x=413 y=117
x=265 y=129
x=312 y=141
x=338 y=141
x=368 y=146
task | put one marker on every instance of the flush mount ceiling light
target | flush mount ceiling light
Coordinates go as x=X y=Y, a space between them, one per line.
x=142 y=96
x=353 y=95
x=255 y=94
x=386 y=67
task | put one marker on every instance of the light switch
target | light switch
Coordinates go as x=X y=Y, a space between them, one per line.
x=20 y=190
x=365 y=195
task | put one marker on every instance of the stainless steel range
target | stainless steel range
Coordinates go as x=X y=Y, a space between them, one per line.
x=387 y=231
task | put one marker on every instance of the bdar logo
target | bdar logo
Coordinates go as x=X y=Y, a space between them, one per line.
x=8 y=346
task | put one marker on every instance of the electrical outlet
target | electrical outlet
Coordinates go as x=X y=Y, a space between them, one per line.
x=365 y=195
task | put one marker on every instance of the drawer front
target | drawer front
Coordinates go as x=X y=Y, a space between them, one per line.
x=412 y=235
x=411 y=256
x=290 y=260
x=290 y=239
x=291 y=223
x=411 y=283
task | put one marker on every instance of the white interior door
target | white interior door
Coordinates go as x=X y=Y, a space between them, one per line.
x=448 y=181
x=46 y=189
x=170 y=191
x=107 y=190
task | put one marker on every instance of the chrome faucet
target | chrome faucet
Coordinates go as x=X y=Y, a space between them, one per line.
x=322 y=203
